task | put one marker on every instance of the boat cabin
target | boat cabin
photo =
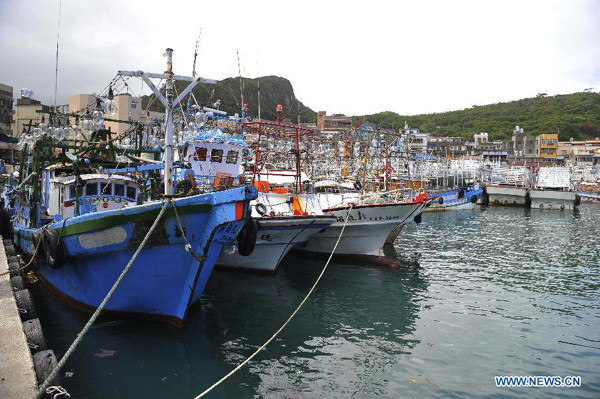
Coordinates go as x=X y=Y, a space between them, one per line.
x=97 y=192
x=209 y=159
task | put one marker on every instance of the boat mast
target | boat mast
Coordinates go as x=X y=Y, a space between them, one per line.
x=170 y=79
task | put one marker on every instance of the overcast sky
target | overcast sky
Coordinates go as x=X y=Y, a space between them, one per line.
x=343 y=57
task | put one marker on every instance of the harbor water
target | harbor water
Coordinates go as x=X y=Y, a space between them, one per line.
x=481 y=293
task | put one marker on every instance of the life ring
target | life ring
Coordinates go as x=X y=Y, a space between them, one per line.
x=247 y=238
x=53 y=248
x=474 y=199
x=441 y=200
x=261 y=209
x=357 y=185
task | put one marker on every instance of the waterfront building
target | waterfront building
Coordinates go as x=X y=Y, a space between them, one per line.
x=333 y=123
x=418 y=139
x=26 y=112
x=6 y=105
x=547 y=145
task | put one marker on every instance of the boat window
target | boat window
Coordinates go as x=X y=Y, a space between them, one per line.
x=91 y=188
x=131 y=192
x=232 y=156
x=120 y=190
x=200 y=154
x=216 y=156
x=105 y=188
x=72 y=192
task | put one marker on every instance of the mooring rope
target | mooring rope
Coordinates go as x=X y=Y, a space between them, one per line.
x=63 y=360
x=32 y=255
x=263 y=346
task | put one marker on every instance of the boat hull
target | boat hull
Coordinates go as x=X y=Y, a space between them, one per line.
x=276 y=237
x=398 y=229
x=452 y=202
x=507 y=195
x=549 y=199
x=165 y=280
x=367 y=229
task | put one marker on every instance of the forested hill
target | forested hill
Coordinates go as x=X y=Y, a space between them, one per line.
x=274 y=90
x=574 y=115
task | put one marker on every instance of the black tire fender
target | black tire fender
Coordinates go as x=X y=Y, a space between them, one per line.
x=577 y=199
x=35 y=336
x=474 y=199
x=261 y=209
x=357 y=185
x=247 y=238
x=10 y=250
x=440 y=200
x=43 y=363
x=419 y=218
x=25 y=305
x=53 y=248
x=5 y=227
x=17 y=283
x=13 y=267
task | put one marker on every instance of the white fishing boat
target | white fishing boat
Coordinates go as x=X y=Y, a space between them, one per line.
x=284 y=216
x=554 y=190
x=367 y=229
x=509 y=186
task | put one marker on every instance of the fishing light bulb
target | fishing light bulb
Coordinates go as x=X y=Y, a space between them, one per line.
x=87 y=126
x=69 y=133
x=200 y=118
x=59 y=133
x=98 y=117
x=110 y=108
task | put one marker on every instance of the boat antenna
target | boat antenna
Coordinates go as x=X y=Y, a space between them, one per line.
x=258 y=80
x=196 y=54
x=56 y=70
x=241 y=84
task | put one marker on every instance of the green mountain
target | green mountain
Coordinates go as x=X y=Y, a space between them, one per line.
x=574 y=115
x=274 y=90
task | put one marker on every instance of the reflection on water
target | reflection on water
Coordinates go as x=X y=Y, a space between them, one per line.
x=494 y=291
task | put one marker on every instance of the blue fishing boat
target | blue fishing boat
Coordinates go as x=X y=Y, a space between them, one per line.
x=82 y=256
x=84 y=208
x=464 y=198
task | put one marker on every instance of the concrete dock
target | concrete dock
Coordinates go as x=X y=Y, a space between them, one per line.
x=17 y=376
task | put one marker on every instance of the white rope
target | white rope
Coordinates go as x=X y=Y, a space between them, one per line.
x=63 y=360
x=263 y=346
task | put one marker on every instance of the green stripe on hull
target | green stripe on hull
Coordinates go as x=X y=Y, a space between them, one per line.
x=116 y=220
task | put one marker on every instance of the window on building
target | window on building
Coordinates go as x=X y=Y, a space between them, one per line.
x=200 y=154
x=91 y=189
x=232 y=156
x=72 y=192
x=134 y=105
x=216 y=156
x=120 y=190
